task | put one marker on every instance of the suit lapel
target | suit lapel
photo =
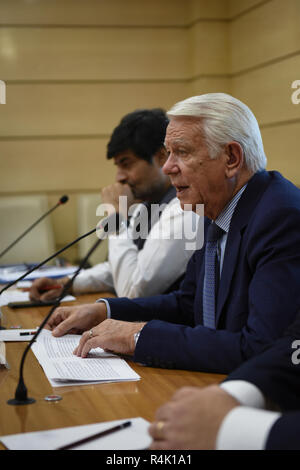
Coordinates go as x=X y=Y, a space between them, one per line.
x=242 y=214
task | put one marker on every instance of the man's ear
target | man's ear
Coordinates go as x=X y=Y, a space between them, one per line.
x=235 y=158
x=160 y=157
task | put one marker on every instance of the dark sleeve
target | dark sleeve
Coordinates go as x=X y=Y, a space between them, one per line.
x=276 y=371
x=273 y=257
x=285 y=433
x=175 y=307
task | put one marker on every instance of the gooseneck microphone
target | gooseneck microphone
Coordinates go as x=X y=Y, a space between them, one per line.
x=21 y=397
x=62 y=200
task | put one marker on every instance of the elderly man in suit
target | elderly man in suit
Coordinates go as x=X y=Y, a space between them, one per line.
x=241 y=290
x=236 y=415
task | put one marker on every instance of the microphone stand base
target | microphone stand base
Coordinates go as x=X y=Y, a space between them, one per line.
x=27 y=401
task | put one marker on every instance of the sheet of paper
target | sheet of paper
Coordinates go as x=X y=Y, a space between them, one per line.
x=50 y=347
x=52 y=272
x=15 y=335
x=2 y=355
x=15 y=295
x=62 y=367
x=23 y=284
x=135 y=437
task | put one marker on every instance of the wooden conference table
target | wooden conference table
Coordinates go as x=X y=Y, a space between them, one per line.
x=82 y=404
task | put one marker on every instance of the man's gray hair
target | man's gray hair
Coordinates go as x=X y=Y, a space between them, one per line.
x=225 y=118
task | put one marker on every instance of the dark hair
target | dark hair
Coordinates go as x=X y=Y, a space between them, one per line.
x=142 y=131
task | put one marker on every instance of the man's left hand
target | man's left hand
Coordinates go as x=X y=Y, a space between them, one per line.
x=191 y=419
x=113 y=335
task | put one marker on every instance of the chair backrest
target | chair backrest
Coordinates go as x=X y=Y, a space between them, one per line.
x=87 y=220
x=17 y=213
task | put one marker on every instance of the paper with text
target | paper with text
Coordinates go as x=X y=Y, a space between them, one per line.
x=62 y=367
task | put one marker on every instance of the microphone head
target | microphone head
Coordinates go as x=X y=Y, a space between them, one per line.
x=64 y=199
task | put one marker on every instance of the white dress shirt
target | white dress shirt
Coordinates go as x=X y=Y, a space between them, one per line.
x=245 y=427
x=130 y=272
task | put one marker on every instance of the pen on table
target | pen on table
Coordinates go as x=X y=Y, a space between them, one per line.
x=26 y=333
x=97 y=435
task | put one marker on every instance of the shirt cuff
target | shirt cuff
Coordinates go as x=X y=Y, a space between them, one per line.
x=245 y=428
x=108 y=311
x=244 y=392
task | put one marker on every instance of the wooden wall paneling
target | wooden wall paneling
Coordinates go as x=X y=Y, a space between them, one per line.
x=242 y=7
x=94 y=12
x=209 y=49
x=201 y=10
x=105 y=13
x=211 y=84
x=268 y=91
x=80 y=109
x=265 y=34
x=51 y=165
x=281 y=145
x=79 y=54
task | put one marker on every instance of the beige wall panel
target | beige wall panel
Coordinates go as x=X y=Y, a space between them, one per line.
x=208 y=48
x=209 y=85
x=92 y=54
x=63 y=109
x=268 y=91
x=104 y=12
x=94 y=12
x=212 y=9
x=52 y=165
x=237 y=7
x=282 y=149
x=265 y=34
x=64 y=222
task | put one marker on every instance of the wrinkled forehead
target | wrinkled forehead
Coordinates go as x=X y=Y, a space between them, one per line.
x=183 y=129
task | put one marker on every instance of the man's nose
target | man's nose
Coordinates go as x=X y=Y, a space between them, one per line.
x=170 y=166
x=121 y=177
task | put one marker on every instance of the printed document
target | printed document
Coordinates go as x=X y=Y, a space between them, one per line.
x=63 y=368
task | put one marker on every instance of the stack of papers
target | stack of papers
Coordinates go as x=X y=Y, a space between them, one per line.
x=2 y=355
x=9 y=275
x=134 y=437
x=14 y=295
x=63 y=368
x=17 y=334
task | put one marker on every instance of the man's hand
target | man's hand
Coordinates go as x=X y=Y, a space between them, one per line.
x=77 y=319
x=110 y=195
x=46 y=289
x=113 y=335
x=191 y=419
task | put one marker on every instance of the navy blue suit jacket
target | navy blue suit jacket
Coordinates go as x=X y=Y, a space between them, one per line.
x=276 y=372
x=285 y=432
x=258 y=295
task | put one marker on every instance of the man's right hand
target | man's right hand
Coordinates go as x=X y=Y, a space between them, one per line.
x=47 y=289
x=77 y=319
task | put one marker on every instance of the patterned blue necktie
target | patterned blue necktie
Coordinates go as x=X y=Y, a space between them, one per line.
x=211 y=278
